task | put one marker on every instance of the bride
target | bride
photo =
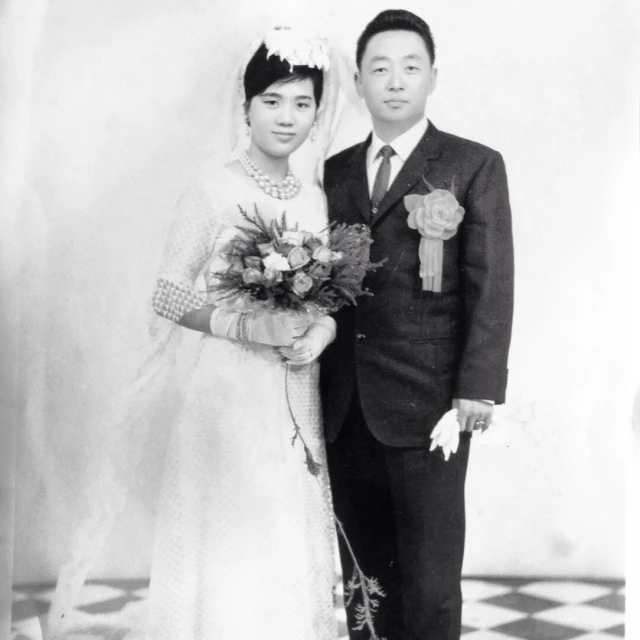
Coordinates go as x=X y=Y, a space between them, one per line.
x=245 y=533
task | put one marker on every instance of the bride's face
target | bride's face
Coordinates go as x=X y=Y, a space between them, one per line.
x=282 y=116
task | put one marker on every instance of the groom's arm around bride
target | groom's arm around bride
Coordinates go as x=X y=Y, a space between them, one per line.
x=434 y=334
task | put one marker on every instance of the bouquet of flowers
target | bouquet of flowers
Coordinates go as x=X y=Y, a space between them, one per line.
x=282 y=268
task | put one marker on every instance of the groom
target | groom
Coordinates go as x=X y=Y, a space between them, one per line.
x=416 y=348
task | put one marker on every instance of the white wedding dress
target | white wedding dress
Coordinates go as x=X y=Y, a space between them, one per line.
x=245 y=534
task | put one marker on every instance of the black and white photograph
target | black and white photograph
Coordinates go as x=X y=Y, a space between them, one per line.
x=319 y=320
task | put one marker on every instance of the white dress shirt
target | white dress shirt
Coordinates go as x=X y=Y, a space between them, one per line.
x=403 y=145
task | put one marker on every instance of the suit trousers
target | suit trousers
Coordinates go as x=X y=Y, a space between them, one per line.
x=404 y=515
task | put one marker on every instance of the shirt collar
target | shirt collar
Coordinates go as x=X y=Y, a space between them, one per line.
x=403 y=145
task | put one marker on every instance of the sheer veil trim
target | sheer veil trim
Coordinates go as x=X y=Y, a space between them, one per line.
x=139 y=411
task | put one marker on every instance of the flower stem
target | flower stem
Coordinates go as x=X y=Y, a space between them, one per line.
x=367 y=586
x=312 y=466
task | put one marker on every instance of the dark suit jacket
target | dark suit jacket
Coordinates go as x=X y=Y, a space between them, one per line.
x=408 y=351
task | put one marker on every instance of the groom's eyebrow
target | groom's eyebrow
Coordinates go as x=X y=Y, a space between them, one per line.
x=411 y=56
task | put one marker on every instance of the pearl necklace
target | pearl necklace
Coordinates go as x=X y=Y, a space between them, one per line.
x=285 y=190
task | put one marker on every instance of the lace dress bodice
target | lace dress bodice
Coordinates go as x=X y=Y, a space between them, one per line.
x=207 y=220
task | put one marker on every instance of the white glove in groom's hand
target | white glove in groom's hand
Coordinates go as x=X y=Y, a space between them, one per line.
x=446 y=434
x=466 y=415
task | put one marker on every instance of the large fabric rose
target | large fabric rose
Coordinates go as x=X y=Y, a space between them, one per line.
x=435 y=215
x=298 y=257
x=301 y=284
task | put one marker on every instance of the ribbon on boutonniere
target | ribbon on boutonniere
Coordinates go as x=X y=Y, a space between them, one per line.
x=436 y=215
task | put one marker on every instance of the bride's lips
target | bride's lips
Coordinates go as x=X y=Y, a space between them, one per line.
x=284 y=136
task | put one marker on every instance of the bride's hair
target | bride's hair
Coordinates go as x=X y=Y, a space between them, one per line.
x=264 y=70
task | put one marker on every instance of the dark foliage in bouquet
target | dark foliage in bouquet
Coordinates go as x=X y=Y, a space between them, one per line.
x=288 y=269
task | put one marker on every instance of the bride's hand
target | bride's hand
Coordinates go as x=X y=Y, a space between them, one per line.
x=275 y=329
x=309 y=347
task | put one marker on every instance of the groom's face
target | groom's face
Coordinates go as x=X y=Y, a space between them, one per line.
x=396 y=77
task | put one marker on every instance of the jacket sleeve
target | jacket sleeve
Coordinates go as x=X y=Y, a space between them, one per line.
x=487 y=271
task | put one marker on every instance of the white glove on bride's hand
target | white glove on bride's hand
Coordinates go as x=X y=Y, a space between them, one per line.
x=446 y=433
x=308 y=348
x=275 y=329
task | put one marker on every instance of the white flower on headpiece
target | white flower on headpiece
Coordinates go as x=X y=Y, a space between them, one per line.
x=298 y=48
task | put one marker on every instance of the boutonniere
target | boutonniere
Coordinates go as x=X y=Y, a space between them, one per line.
x=436 y=215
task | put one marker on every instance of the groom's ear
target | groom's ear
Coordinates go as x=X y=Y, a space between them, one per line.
x=434 y=80
x=357 y=79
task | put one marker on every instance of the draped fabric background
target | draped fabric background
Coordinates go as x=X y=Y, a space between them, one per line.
x=20 y=33
x=123 y=93
x=632 y=621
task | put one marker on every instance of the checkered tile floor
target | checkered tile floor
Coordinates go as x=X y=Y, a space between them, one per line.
x=494 y=609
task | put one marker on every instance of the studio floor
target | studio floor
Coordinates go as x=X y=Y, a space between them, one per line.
x=494 y=609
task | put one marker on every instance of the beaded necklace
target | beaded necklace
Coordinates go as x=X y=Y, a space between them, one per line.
x=285 y=190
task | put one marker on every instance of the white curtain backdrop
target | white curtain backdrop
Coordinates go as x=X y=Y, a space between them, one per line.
x=20 y=33
x=122 y=99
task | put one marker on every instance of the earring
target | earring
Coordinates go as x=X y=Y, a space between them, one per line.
x=247 y=127
x=313 y=134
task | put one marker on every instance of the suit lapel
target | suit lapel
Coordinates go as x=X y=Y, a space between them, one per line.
x=357 y=182
x=416 y=166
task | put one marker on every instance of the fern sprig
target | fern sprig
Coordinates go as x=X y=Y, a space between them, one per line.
x=368 y=588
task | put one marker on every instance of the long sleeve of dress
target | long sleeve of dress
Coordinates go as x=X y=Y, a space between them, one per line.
x=189 y=247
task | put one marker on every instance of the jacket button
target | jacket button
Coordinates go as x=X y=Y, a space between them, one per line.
x=361 y=338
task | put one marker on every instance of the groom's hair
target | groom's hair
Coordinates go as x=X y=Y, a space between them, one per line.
x=395 y=20
x=264 y=70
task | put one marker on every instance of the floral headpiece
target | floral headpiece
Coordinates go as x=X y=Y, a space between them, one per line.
x=298 y=48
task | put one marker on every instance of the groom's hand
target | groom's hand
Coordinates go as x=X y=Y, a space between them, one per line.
x=473 y=414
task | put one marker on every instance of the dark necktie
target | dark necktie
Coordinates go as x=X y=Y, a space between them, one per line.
x=381 y=183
